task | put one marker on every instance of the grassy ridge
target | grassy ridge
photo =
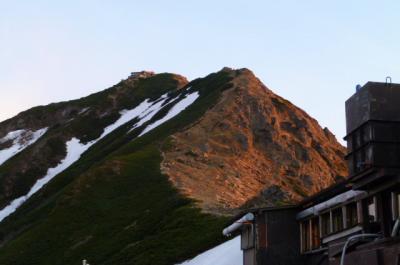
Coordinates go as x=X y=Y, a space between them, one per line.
x=117 y=207
x=64 y=122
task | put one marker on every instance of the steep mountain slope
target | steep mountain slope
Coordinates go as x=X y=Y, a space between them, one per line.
x=84 y=119
x=252 y=148
x=106 y=177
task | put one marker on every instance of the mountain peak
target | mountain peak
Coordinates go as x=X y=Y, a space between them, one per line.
x=130 y=159
x=249 y=143
x=141 y=75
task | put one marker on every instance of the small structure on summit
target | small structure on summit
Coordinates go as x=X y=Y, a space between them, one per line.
x=356 y=221
x=142 y=74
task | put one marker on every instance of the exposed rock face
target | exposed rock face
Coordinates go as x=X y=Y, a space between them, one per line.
x=227 y=141
x=253 y=148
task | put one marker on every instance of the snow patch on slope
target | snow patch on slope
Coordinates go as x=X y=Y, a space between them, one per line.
x=21 y=139
x=74 y=151
x=175 y=110
x=145 y=111
x=83 y=110
x=150 y=111
x=127 y=115
x=228 y=253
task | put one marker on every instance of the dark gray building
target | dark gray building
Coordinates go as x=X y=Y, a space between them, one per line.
x=265 y=234
x=356 y=221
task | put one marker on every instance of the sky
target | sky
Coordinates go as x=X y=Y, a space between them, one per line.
x=312 y=53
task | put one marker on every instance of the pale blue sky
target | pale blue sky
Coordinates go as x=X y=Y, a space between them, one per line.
x=311 y=52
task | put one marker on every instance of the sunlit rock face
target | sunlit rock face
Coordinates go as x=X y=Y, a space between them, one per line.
x=112 y=175
x=253 y=148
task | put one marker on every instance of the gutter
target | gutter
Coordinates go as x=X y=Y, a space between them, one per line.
x=314 y=210
x=238 y=224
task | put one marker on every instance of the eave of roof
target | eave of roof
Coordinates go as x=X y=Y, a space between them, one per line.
x=326 y=194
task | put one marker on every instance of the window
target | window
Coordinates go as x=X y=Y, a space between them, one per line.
x=351 y=214
x=367 y=133
x=371 y=210
x=305 y=236
x=398 y=203
x=350 y=143
x=395 y=205
x=310 y=238
x=315 y=239
x=337 y=220
x=325 y=224
x=358 y=138
x=361 y=157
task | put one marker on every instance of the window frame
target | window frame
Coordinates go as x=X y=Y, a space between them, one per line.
x=326 y=225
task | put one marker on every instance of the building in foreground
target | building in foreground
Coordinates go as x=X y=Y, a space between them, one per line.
x=356 y=221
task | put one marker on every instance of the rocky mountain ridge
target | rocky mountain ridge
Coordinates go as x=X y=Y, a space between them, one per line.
x=134 y=173
x=253 y=148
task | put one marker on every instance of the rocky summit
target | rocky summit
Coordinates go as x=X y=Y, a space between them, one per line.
x=150 y=170
x=252 y=148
